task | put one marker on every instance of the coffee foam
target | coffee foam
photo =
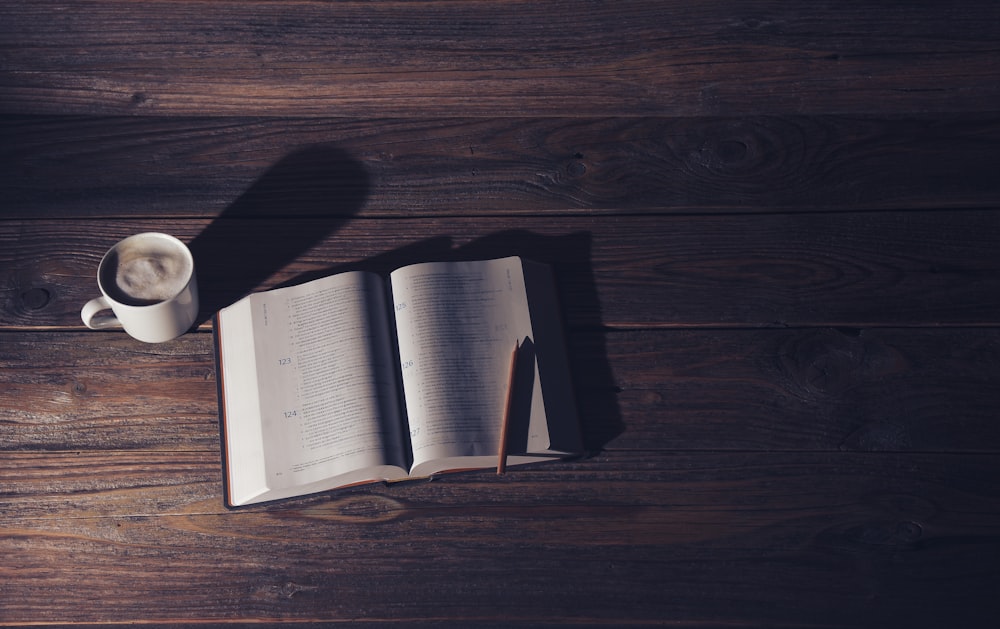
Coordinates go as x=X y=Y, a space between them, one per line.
x=145 y=273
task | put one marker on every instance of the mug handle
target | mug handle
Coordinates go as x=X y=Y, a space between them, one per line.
x=94 y=306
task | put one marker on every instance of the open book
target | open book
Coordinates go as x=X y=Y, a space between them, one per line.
x=353 y=378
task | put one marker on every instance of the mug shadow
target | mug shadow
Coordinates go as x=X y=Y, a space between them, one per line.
x=321 y=187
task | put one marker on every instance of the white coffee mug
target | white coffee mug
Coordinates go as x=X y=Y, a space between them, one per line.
x=147 y=280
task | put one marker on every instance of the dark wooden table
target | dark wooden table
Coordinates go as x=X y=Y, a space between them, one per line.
x=776 y=229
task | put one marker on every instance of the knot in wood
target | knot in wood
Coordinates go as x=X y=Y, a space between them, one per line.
x=731 y=151
x=823 y=362
x=290 y=589
x=356 y=509
x=36 y=298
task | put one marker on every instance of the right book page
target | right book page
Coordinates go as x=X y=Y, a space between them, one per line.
x=456 y=324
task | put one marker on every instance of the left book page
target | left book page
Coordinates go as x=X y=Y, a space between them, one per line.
x=308 y=389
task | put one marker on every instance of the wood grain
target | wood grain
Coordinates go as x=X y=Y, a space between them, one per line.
x=125 y=167
x=495 y=58
x=660 y=523
x=830 y=390
x=775 y=232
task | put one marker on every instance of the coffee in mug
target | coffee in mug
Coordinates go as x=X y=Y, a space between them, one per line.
x=145 y=271
x=148 y=282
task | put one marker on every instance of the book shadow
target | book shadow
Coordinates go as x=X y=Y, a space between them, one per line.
x=320 y=186
x=569 y=256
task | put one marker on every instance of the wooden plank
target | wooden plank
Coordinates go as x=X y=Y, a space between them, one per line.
x=799 y=389
x=125 y=167
x=902 y=390
x=712 y=539
x=69 y=391
x=488 y=58
x=864 y=269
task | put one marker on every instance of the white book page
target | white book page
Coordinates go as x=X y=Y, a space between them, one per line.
x=456 y=325
x=240 y=409
x=327 y=380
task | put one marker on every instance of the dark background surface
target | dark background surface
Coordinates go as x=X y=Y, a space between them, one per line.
x=775 y=233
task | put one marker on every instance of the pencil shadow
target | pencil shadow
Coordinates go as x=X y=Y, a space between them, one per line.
x=569 y=256
x=321 y=186
x=522 y=383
